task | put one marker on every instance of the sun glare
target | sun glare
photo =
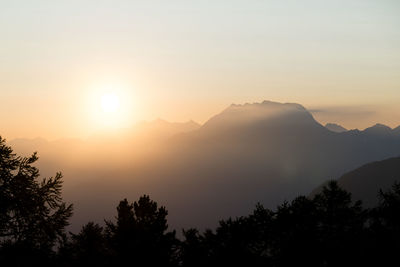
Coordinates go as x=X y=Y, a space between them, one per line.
x=110 y=103
x=111 y=106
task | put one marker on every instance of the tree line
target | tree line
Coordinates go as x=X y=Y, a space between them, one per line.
x=328 y=229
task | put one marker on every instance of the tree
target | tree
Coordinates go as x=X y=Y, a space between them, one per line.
x=193 y=251
x=389 y=208
x=140 y=234
x=294 y=234
x=89 y=246
x=243 y=241
x=341 y=226
x=33 y=216
x=384 y=239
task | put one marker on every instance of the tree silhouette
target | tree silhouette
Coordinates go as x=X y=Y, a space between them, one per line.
x=33 y=216
x=326 y=230
x=193 y=251
x=294 y=234
x=389 y=207
x=140 y=234
x=384 y=238
x=89 y=247
x=341 y=226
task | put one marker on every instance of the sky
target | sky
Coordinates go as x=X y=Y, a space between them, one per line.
x=186 y=60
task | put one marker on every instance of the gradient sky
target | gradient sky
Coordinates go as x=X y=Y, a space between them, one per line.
x=182 y=60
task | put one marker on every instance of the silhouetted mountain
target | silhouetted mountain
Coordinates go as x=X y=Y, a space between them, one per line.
x=265 y=152
x=365 y=182
x=335 y=128
x=379 y=130
x=235 y=116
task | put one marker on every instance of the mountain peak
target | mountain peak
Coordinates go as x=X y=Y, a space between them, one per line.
x=264 y=114
x=380 y=126
x=293 y=105
x=268 y=104
x=379 y=129
x=335 y=128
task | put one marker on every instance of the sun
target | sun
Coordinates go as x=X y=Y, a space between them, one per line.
x=111 y=106
x=110 y=103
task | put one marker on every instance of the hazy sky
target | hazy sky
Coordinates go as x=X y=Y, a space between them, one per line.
x=182 y=60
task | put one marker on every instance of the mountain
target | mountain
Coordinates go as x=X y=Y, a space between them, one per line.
x=365 y=181
x=335 y=128
x=396 y=130
x=265 y=152
x=379 y=130
x=262 y=152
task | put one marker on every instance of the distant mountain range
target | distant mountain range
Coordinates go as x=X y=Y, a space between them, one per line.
x=263 y=152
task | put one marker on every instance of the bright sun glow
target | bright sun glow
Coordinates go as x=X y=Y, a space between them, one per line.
x=110 y=103
x=111 y=106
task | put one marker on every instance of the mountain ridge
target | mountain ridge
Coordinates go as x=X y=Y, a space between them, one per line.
x=335 y=128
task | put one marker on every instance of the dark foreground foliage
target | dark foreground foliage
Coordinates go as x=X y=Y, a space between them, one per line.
x=33 y=216
x=329 y=229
